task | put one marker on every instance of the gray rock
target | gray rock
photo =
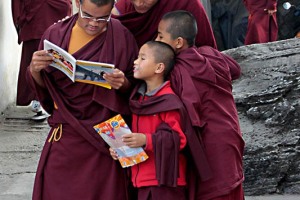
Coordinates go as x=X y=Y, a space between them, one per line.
x=267 y=99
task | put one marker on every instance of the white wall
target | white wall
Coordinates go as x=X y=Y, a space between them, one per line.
x=10 y=54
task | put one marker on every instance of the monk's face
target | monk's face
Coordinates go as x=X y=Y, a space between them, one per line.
x=164 y=36
x=142 y=6
x=145 y=65
x=93 y=19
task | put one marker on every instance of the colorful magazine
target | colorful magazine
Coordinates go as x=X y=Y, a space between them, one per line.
x=78 y=70
x=111 y=131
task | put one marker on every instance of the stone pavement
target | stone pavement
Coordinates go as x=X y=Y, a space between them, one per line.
x=21 y=141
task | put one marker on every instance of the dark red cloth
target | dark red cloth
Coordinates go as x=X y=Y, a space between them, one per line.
x=79 y=165
x=144 y=26
x=202 y=79
x=24 y=93
x=236 y=194
x=31 y=19
x=262 y=27
x=166 y=193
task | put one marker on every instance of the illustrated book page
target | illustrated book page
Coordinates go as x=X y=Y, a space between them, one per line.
x=78 y=70
x=111 y=131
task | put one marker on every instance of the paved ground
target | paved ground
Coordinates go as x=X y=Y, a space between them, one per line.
x=21 y=141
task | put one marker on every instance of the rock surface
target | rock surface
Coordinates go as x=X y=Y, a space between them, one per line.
x=268 y=100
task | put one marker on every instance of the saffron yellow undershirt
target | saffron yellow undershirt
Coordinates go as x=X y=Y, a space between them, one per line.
x=78 y=39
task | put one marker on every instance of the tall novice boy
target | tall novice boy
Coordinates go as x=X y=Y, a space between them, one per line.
x=202 y=78
x=156 y=126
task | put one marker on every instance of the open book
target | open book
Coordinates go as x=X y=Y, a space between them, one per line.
x=78 y=70
x=111 y=131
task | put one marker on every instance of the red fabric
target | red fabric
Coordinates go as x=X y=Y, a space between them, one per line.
x=202 y=79
x=24 y=92
x=144 y=26
x=35 y=16
x=262 y=27
x=165 y=193
x=79 y=166
x=144 y=174
x=31 y=19
x=236 y=194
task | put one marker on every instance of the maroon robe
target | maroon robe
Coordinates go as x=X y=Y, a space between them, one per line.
x=31 y=19
x=202 y=79
x=144 y=26
x=262 y=27
x=79 y=166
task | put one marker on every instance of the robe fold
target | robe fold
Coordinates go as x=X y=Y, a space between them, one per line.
x=144 y=26
x=31 y=18
x=262 y=27
x=78 y=165
x=202 y=79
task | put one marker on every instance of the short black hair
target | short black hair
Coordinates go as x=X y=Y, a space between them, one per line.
x=163 y=53
x=182 y=24
x=100 y=2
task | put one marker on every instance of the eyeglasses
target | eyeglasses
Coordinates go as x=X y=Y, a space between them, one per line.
x=95 y=19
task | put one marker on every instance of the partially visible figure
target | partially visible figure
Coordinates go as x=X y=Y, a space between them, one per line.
x=229 y=22
x=156 y=126
x=262 y=21
x=31 y=19
x=202 y=78
x=141 y=17
x=207 y=6
x=75 y=162
x=288 y=19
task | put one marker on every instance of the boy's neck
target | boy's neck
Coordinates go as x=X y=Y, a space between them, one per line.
x=153 y=84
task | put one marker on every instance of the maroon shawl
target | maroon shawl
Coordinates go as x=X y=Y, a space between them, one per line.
x=80 y=107
x=202 y=79
x=144 y=26
x=163 y=139
x=33 y=17
x=262 y=28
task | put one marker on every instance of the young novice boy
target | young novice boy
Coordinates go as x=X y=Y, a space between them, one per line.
x=156 y=126
x=202 y=79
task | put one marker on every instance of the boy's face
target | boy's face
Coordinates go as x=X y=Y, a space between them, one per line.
x=145 y=65
x=93 y=19
x=164 y=36
x=142 y=6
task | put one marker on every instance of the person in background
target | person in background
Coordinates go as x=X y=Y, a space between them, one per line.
x=141 y=17
x=202 y=79
x=31 y=19
x=156 y=126
x=262 y=21
x=229 y=22
x=75 y=162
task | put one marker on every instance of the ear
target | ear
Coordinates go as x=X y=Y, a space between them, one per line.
x=160 y=68
x=179 y=43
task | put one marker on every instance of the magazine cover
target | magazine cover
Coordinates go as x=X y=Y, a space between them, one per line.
x=111 y=131
x=78 y=70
